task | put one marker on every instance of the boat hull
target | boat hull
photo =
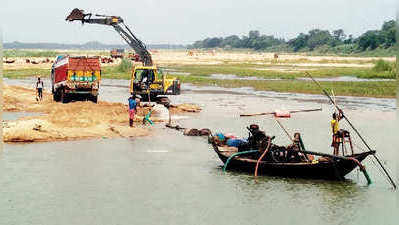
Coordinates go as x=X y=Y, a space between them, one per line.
x=329 y=170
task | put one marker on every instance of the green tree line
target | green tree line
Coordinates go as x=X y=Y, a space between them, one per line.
x=316 y=39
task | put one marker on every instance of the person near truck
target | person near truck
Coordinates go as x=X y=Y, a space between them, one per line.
x=39 y=88
x=133 y=102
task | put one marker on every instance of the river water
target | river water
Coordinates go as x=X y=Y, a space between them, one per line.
x=168 y=178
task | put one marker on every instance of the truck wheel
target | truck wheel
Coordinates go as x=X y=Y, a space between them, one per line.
x=63 y=96
x=94 y=98
x=163 y=101
x=176 y=88
x=56 y=96
x=144 y=98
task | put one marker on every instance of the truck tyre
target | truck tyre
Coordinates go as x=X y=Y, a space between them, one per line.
x=63 y=96
x=164 y=101
x=94 y=98
x=176 y=89
x=144 y=97
x=56 y=95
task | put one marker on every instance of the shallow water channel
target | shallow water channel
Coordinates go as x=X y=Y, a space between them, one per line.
x=168 y=178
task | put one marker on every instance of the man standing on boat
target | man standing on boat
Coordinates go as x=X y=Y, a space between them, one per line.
x=336 y=131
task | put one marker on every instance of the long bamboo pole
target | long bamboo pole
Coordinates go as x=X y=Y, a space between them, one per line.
x=356 y=131
x=292 y=111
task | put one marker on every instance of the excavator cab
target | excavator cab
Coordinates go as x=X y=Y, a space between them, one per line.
x=150 y=81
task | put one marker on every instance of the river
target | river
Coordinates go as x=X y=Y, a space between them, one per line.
x=168 y=178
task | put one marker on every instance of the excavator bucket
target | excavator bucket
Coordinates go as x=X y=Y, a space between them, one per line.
x=76 y=14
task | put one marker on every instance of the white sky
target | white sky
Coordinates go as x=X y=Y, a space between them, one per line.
x=185 y=21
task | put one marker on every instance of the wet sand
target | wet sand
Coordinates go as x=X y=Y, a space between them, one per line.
x=75 y=120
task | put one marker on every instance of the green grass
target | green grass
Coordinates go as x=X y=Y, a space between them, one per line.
x=250 y=70
x=367 y=89
x=30 y=53
x=9 y=53
x=384 y=66
x=124 y=66
x=113 y=72
x=200 y=76
x=25 y=73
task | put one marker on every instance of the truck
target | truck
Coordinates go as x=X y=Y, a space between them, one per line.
x=117 y=53
x=75 y=78
x=148 y=80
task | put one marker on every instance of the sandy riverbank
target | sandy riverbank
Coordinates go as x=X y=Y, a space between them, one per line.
x=181 y=57
x=75 y=120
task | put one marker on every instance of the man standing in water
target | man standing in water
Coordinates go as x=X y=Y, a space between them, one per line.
x=336 y=131
x=133 y=101
x=39 y=88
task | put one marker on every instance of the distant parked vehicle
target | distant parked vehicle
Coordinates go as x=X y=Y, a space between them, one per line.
x=75 y=78
x=117 y=53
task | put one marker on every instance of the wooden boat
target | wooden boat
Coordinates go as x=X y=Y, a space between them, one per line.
x=331 y=169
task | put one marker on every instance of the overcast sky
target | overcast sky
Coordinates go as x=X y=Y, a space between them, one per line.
x=185 y=21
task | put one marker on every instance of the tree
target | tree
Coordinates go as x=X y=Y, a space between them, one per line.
x=388 y=33
x=253 y=34
x=299 y=42
x=233 y=41
x=339 y=35
x=349 y=40
x=319 y=37
x=212 y=42
x=369 y=40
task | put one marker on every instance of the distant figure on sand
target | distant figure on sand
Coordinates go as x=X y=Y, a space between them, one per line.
x=133 y=102
x=39 y=88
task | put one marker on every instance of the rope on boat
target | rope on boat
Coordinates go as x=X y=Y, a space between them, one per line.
x=236 y=154
x=261 y=157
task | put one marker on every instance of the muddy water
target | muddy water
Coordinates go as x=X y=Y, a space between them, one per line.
x=172 y=179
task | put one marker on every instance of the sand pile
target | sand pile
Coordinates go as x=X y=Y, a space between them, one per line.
x=185 y=108
x=75 y=120
x=164 y=58
x=167 y=57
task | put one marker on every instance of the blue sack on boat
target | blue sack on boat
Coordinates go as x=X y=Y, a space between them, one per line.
x=235 y=142
x=220 y=136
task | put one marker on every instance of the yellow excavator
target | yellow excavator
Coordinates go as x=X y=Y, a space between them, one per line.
x=148 y=80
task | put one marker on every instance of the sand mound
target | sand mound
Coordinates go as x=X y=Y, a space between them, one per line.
x=185 y=108
x=75 y=120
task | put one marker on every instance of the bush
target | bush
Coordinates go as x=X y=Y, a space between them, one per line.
x=125 y=66
x=382 y=66
x=29 y=53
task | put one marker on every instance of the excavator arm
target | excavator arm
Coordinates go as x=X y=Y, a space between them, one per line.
x=116 y=22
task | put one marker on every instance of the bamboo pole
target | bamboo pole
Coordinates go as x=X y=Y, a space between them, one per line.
x=291 y=111
x=356 y=131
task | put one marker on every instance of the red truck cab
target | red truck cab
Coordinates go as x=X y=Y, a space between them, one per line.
x=76 y=77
